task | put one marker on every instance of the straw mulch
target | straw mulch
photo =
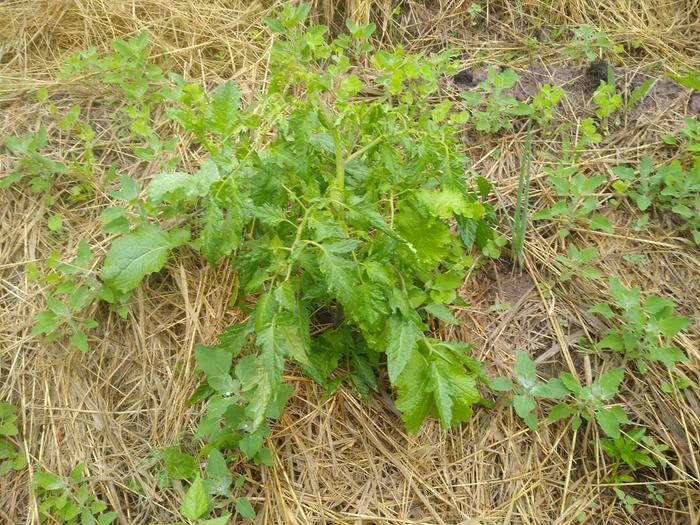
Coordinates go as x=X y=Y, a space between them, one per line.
x=343 y=462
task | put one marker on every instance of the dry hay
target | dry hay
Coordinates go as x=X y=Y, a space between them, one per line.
x=342 y=461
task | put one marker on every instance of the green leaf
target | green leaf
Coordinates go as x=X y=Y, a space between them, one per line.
x=139 y=253
x=414 y=398
x=613 y=341
x=442 y=390
x=560 y=411
x=570 y=382
x=221 y=520
x=177 y=184
x=107 y=518
x=129 y=190
x=501 y=384
x=48 y=481
x=524 y=405
x=212 y=360
x=525 y=370
x=602 y=309
x=222 y=114
x=7 y=428
x=7 y=410
x=691 y=80
x=79 y=340
x=429 y=238
x=221 y=234
x=244 y=508
x=179 y=465
x=608 y=423
x=195 y=503
x=339 y=273
x=295 y=344
x=441 y=312
x=669 y=355
x=552 y=389
x=672 y=325
x=55 y=222
x=601 y=222
x=402 y=336
x=250 y=445
x=610 y=381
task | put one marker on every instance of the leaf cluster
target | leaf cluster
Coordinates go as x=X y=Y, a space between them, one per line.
x=69 y=501
x=646 y=327
x=11 y=457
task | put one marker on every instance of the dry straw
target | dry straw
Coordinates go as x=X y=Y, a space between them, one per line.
x=342 y=462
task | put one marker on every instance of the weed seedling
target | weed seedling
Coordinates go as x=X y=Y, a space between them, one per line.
x=645 y=328
x=68 y=501
x=491 y=108
x=11 y=458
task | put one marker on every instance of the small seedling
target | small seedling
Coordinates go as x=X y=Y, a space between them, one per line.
x=587 y=44
x=632 y=449
x=491 y=109
x=544 y=104
x=11 y=457
x=590 y=402
x=646 y=327
x=580 y=200
x=528 y=388
x=577 y=261
x=31 y=162
x=68 y=501
x=608 y=101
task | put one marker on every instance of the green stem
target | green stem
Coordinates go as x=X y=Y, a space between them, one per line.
x=338 y=190
x=363 y=149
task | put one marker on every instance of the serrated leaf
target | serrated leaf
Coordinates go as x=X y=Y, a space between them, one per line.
x=178 y=184
x=608 y=423
x=222 y=113
x=414 y=398
x=552 y=389
x=601 y=222
x=139 y=253
x=560 y=411
x=429 y=238
x=669 y=355
x=212 y=360
x=602 y=309
x=79 y=341
x=442 y=394
x=339 y=273
x=195 y=503
x=443 y=313
x=672 y=325
x=295 y=344
x=221 y=233
x=401 y=343
x=129 y=190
